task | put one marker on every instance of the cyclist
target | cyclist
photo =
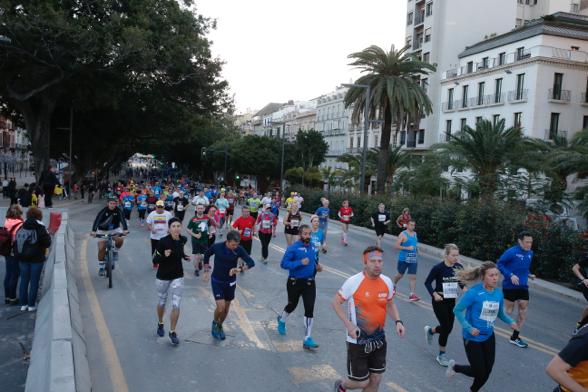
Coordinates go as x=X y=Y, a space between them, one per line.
x=109 y=221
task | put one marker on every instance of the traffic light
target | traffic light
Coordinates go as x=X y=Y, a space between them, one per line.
x=203 y=152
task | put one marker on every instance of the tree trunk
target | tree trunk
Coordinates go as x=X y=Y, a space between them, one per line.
x=383 y=153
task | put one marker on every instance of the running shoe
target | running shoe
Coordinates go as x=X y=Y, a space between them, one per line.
x=221 y=332
x=324 y=251
x=442 y=360
x=160 y=330
x=196 y=272
x=101 y=272
x=309 y=344
x=24 y=308
x=32 y=308
x=413 y=298
x=450 y=372
x=281 y=326
x=519 y=343
x=214 y=330
x=174 y=338
x=339 y=386
x=428 y=335
x=264 y=262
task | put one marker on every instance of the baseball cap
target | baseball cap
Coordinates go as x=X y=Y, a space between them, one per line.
x=159 y=203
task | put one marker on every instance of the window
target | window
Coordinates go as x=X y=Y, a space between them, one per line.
x=425 y=84
x=518 y=120
x=450 y=99
x=429 y=9
x=409 y=18
x=470 y=66
x=553 y=125
x=586 y=92
x=428 y=34
x=485 y=62
x=557 y=83
x=498 y=90
x=351 y=142
x=481 y=93
x=376 y=141
x=478 y=119
x=495 y=119
x=521 y=53
x=464 y=97
x=585 y=122
x=520 y=86
x=402 y=138
x=421 y=136
x=447 y=130
x=463 y=123
x=426 y=57
x=501 y=58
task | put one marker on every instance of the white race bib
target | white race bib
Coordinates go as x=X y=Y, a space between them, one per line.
x=247 y=232
x=180 y=207
x=266 y=224
x=381 y=218
x=294 y=223
x=489 y=311
x=144 y=204
x=128 y=204
x=450 y=290
x=411 y=258
x=222 y=210
x=345 y=217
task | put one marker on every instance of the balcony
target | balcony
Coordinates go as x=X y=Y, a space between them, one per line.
x=518 y=96
x=418 y=43
x=419 y=18
x=559 y=95
x=448 y=106
x=550 y=134
x=354 y=150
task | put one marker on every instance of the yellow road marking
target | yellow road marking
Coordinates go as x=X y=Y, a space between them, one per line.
x=247 y=326
x=313 y=374
x=395 y=387
x=117 y=376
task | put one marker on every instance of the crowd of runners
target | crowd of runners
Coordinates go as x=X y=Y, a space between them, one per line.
x=221 y=232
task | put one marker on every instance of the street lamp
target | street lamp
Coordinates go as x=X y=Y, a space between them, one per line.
x=365 y=129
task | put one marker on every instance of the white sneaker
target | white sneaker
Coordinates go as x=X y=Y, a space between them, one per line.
x=24 y=308
x=442 y=360
x=450 y=372
x=428 y=335
x=32 y=308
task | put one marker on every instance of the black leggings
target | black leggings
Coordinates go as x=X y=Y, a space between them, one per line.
x=247 y=246
x=265 y=239
x=481 y=356
x=444 y=312
x=297 y=288
x=153 y=248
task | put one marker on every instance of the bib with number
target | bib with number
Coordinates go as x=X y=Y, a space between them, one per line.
x=450 y=290
x=294 y=223
x=247 y=232
x=221 y=210
x=266 y=224
x=411 y=257
x=144 y=204
x=345 y=217
x=489 y=311
x=381 y=218
x=128 y=204
x=180 y=207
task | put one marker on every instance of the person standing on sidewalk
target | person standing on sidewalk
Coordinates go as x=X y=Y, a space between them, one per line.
x=370 y=298
x=12 y=223
x=300 y=259
x=407 y=243
x=515 y=264
x=267 y=223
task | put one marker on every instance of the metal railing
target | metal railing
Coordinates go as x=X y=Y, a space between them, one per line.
x=559 y=95
x=419 y=18
x=448 y=106
x=354 y=150
x=550 y=134
x=518 y=95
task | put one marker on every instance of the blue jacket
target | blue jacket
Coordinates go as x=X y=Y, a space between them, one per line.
x=292 y=260
x=225 y=259
x=515 y=261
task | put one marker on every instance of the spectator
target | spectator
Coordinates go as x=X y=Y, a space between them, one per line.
x=24 y=196
x=12 y=222
x=12 y=191
x=48 y=181
x=5 y=188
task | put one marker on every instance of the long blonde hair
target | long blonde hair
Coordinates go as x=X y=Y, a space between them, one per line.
x=473 y=274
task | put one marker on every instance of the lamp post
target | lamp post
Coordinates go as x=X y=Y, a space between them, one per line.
x=365 y=130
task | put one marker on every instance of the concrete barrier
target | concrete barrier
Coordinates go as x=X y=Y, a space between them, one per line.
x=58 y=357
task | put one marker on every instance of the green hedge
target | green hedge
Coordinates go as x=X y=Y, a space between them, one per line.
x=482 y=230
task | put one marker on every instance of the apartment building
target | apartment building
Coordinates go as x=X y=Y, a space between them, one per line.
x=534 y=77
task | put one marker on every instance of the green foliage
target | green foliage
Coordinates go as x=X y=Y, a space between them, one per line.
x=311 y=148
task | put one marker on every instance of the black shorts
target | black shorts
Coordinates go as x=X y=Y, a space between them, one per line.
x=198 y=248
x=291 y=231
x=380 y=231
x=585 y=291
x=513 y=295
x=223 y=290
x=360 y=365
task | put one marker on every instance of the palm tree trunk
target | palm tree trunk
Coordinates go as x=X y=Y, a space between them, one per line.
x=383 y=153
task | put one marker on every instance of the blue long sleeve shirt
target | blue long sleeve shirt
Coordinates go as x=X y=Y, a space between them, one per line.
x=225 y=259
x=515 y=261
x=478 y=308
x=292 y=260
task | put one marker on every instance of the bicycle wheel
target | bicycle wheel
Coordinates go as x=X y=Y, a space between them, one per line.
x=109 y=268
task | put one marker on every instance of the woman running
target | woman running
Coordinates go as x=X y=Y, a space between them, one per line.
x=477 y=311
x=443 y=295
x=345 y=214
x=292 y=222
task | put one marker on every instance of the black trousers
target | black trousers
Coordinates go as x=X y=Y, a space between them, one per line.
x=265 y=239
x=247 y=246
x=304 y=288
x=153 y=248
x=444 y=312
x=481 y=356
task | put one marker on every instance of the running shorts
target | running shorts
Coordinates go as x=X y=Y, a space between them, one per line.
x=198 y=248
x=167 y=287
x=380 y=231
x=516 y=294
x=361 y=364
x=403 y=266
x=223 y=290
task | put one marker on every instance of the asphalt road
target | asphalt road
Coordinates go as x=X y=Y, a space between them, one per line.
x=126 y=355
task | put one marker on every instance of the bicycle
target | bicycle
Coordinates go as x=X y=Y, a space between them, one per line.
x=109 y=259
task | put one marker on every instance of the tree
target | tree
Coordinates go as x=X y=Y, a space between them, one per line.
x=311 y=148
x=396 y=158
x=487 y=151
x=396 y=94
x=353 y=171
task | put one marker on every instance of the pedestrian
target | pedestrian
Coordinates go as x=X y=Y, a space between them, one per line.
x=380 y=221
x=570 y=367
x=443 y=297
x=266 y=222
x=12 y=223
x=323 y=213
x=515 y=264
x=48 y=181
x=5 y=188
x=30 y=246
x=292 y=222
x=91 y=193
x=12 y=193
x=477 y=311
x=301 y=261
x=370 y=298
x=345 y=215
x=407 y=243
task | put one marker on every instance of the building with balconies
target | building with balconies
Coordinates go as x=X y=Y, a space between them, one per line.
x=534 y=77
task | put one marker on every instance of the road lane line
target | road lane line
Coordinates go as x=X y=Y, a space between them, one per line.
x=395 y=387
x=117 y=376
x=247 y=326
x=313 y=374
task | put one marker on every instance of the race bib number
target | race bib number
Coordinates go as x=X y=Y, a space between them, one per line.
x=222 y=211
x=151 y=206
x=128 y=204
x=345 y=217
x=450 y=290
x=411 y=257
x=489 y=311
x=381 y=218
x=266 y=224
x=294 y=223
x=247 y=232
x=180 y=207
x=144 y=204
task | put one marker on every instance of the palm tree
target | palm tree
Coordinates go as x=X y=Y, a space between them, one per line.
x=395 y=159
x=487 y=150
x=396 y=94
x=353 y=171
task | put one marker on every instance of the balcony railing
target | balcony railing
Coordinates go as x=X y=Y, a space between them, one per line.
x=411 y=143
x=559 y=95
x=448 y=106
x=518 y=95
x=354 y=150
x=550 y=134
x=419 y=18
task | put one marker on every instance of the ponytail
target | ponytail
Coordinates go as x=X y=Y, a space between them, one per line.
x=473 y=274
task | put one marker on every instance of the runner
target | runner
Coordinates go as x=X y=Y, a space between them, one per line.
x=345 y=214
x=290 y=201
x=200 y=198
x=300 y=260
x=581 y=271
x=380 y=221
x=407 y=243
x=222 y=204
x=443 y=297
x=370 y=297
x=477 y=311
x=316 y=235
x=142 y=206
x=267 y=199
x=213 y=224
x=276 y=204
x=570 y=367
x=224 y=277
x=298 y=199
x=514 y=264
x=180 y=204
x=151 y=201
x=403 y=219
x=170 y=276
x=323 y=214
x=232 y=199
x=253 y=203
x=168 y=199
x=199 y=234
x=266 y=222
x=128 y=200
x=109 y=221
x=157 y=224
x=292 y=222
x=245 y=224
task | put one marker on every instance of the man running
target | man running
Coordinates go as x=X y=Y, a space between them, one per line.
x=200 y=198
x=300 y=259
x=515 y=264
x=370 y=297
x=253 y=202
x=128 y=200
x=323 y=213
x=142 y=206
x=157 y=224
x=109 y=221
x=407 y=243
x=245 y=224
x=199 y=233
x=180 y=204
x=151 y=200
x=380 y=221
x=231 y=198
x=224 y=277
x=569 y=368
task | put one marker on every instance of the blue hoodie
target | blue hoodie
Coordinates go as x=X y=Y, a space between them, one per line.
x=515 y=261
x=478 y=308
x=292 y=260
